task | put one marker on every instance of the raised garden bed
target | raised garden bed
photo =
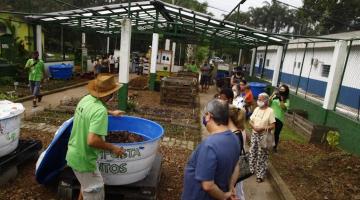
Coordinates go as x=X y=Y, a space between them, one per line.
x=147 y=103
x=50 y=117
x=9 y=92
x=316 y=173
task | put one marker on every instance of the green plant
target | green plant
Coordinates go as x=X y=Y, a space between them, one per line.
x=9 y=96
x=131 y=106
x=201 y=54
x=333 y=138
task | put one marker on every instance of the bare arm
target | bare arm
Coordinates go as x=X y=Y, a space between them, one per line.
x=234 y=176
x=214 y=191
x=116 y=112
x=97 y=142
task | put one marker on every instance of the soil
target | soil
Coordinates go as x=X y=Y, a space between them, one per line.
x=24 y=186
x=139 y=82
x=123 y=137
x=23 y=89
x=172 y=175
x=174 y=158
x=50 y=117
x=317 y=173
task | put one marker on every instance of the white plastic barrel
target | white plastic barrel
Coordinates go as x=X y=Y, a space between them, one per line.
x=10 y=119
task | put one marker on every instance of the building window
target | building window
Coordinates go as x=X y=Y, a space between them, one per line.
x=267 y=62
x=299 y=64
x=325 y=71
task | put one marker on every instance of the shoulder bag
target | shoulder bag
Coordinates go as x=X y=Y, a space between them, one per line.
x=243 y=160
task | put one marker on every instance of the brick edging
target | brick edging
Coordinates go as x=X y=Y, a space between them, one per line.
x=20 y=100
x=279 y=185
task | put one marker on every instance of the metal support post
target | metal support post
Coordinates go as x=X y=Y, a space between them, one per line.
x=253 y=62
x=154 y=52
x=264 y=63
x=301 y=68
x=125 y=45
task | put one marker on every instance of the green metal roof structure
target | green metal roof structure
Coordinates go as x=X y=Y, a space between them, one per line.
x=156 y=16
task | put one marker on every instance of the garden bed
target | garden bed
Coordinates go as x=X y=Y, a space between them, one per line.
x=146 y=103
x=50 y=117
x=312 y=172
x=9 y=92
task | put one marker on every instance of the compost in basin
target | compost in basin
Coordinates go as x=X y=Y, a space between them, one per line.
x=124 y=137
x=136 y=163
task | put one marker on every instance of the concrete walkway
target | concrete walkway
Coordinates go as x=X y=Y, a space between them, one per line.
x=252 y=189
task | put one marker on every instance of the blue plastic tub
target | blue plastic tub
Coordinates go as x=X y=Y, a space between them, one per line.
x=61 y=71
x=221 y=74
x=257 y=88
x=129 y=168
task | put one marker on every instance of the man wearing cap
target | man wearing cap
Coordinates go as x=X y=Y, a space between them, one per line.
x=36 y=75
x=90 y=126
x=209 y=171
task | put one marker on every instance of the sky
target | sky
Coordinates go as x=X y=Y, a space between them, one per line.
x=228 y=5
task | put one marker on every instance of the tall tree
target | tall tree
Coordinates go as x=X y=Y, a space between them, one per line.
x=332 y=16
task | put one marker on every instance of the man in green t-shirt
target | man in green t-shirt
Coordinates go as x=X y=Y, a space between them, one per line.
x=192 y=67
x=36 y=75
x=86 y=141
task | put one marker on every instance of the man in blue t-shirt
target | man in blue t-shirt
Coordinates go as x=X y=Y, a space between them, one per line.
x=211 y=166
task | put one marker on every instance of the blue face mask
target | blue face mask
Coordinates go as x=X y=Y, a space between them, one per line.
x=204 y=122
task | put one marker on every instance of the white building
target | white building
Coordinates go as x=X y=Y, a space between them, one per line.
x=316 y=66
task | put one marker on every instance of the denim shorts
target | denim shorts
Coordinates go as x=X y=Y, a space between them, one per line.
x=35 y=88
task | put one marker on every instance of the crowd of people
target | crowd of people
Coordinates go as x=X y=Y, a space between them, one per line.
x=213 y=168
x=105 y=64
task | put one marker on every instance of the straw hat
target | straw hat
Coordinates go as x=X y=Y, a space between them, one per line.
x=103 y=85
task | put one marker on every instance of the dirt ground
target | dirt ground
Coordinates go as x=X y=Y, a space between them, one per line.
x=174 y=158
x=25 y=186
x=23 y=89
x=317 y=173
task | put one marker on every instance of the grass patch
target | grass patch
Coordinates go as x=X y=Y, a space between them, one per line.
x=180 y=132
x=289 y=134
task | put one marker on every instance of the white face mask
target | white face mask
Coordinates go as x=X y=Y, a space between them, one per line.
x=260 y=103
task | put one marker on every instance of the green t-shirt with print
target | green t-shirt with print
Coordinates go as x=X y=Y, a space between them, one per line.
x=90 y=117
x=36 y=68
x=278 y=111
x=193 y=68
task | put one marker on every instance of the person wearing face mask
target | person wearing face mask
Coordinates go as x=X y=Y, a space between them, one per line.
x=279 y=102
x=239 y=100
x=236 y=78
x=89 y=128
x=227 y=95
x=262 y=121
x=209 y=173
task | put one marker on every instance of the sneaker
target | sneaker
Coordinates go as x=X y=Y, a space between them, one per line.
x=39 y=98
x=259 y=180
x=34 y=103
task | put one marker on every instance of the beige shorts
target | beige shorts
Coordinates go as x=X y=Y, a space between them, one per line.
x=92 y=185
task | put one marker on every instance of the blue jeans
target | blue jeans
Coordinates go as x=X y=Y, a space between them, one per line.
x=35 y=88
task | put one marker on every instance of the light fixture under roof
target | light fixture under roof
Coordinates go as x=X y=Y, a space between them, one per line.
x=87 y=14
x=104 y=12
